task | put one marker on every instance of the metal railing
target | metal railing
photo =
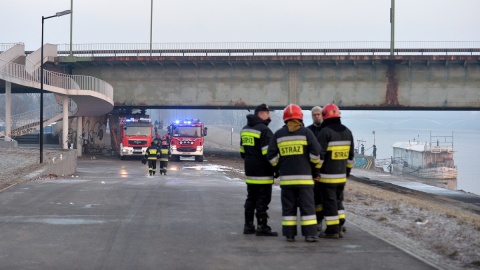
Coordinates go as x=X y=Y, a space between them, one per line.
x=60 y=80
x=271 y=48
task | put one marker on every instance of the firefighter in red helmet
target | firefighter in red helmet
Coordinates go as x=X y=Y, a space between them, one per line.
x=294 y=151
x=336 y=155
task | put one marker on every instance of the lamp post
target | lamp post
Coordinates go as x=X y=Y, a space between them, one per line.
x=58 y=14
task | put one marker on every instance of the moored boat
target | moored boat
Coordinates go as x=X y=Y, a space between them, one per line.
x=430 y=160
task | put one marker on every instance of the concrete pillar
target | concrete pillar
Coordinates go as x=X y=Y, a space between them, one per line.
x=65 y=123
x=79 y=136
x=8 y=109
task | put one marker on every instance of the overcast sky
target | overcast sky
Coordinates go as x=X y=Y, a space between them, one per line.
x=128 y=21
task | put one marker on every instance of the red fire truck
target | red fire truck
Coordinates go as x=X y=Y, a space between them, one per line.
x=186 y=139
x=135 y=136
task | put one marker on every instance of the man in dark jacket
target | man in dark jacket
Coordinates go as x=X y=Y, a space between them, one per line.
x=254 y=140
x=295 y=150
x=336 y=157
x=315 y=127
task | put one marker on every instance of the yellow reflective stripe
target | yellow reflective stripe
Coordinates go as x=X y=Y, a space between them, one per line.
x=250 y=133
x=308 y=222
x=333 y=180
x=285 y=182
x=341 y=216
x=242 y=150
x=289 y=220
x=338 y=148
x=318 y=166
x=349 y=166
x=164 y=151
x=318 y=208
x=258 y=182
x=152 y=151
x=332 y=222
x=293 y=142
x=264 y=152
x=289 y=223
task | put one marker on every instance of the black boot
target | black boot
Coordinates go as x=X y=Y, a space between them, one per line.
x=263 y=229
x=249 y=227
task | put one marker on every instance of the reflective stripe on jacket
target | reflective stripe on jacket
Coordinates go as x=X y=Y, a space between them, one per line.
x=254 y=140
x=296 y=154
x=337 y=153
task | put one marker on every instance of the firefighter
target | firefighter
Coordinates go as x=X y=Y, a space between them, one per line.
x=164 y=156
x=254 y=140
x=294 y=150
x=336 y=158
x=152 y=154
x=315 y=127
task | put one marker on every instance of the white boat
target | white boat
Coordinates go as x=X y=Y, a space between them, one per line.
x=430 y=160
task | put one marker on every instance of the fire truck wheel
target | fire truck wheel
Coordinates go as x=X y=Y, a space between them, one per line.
x=199 y=158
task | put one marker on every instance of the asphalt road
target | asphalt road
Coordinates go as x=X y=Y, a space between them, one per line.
x=113 y=216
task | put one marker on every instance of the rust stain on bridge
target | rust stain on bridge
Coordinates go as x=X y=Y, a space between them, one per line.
x=391 y=96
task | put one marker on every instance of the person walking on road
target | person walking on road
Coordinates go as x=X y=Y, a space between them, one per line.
x=315 y=127
x=254 y=139
x=152 y=154
x=164 y=156
x=337 y=154
x=294 y=150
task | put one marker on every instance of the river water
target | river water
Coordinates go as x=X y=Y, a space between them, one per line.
x=391 y=127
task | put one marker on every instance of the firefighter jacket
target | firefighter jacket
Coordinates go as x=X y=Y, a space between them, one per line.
x=315 y=129
x=254 y=139
x=337 y=155
x=164 y=153
x=295 y=153
x=152 y=153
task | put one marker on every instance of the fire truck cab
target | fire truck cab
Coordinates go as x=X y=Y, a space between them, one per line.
x=186 y=139
x=135 y=136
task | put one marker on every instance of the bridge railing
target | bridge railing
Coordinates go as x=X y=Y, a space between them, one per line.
x=65 y=81
x=271 y=48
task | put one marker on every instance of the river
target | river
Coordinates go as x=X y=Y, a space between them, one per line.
x=391 y=127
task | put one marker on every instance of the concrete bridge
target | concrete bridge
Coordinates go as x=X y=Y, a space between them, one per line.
x=242 y=75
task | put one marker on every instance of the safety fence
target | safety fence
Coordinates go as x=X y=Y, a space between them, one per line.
x=270 y=48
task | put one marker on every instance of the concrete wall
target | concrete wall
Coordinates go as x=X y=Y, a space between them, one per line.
x=354 y=85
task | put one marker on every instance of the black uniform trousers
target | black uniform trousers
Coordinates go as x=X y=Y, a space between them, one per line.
x=332 y=201
x=152 y=165
x=293 y=198
x=317 y=192
x=258 y=198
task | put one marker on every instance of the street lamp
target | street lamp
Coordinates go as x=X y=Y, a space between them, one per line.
x=58 y=14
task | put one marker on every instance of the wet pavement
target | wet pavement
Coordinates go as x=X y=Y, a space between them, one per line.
x=112 y=215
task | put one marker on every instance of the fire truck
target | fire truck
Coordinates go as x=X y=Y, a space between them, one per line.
x=135 y=136
x=186 y=139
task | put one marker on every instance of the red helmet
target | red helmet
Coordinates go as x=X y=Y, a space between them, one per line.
x=164 y=143
x=292 y=111
x=330 y=111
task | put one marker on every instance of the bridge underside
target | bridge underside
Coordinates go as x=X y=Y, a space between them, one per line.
x=351 y=81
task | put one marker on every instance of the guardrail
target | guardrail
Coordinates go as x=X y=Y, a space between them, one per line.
x=64 y=81
x=270 y=48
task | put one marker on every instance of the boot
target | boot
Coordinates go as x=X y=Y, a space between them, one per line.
x=263 y=229
x=249 y=227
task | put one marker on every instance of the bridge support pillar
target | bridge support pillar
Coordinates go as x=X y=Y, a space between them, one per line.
x=8 y=109
x=293 y=85
x=79 y=136
x=65 y=122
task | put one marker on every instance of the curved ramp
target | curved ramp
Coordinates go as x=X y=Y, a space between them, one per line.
x=93 y=96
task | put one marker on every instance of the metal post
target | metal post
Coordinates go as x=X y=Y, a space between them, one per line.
x=151 y=25
x=71 y=28
x=41 y=97
x=392 y=28
x=58 y=14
